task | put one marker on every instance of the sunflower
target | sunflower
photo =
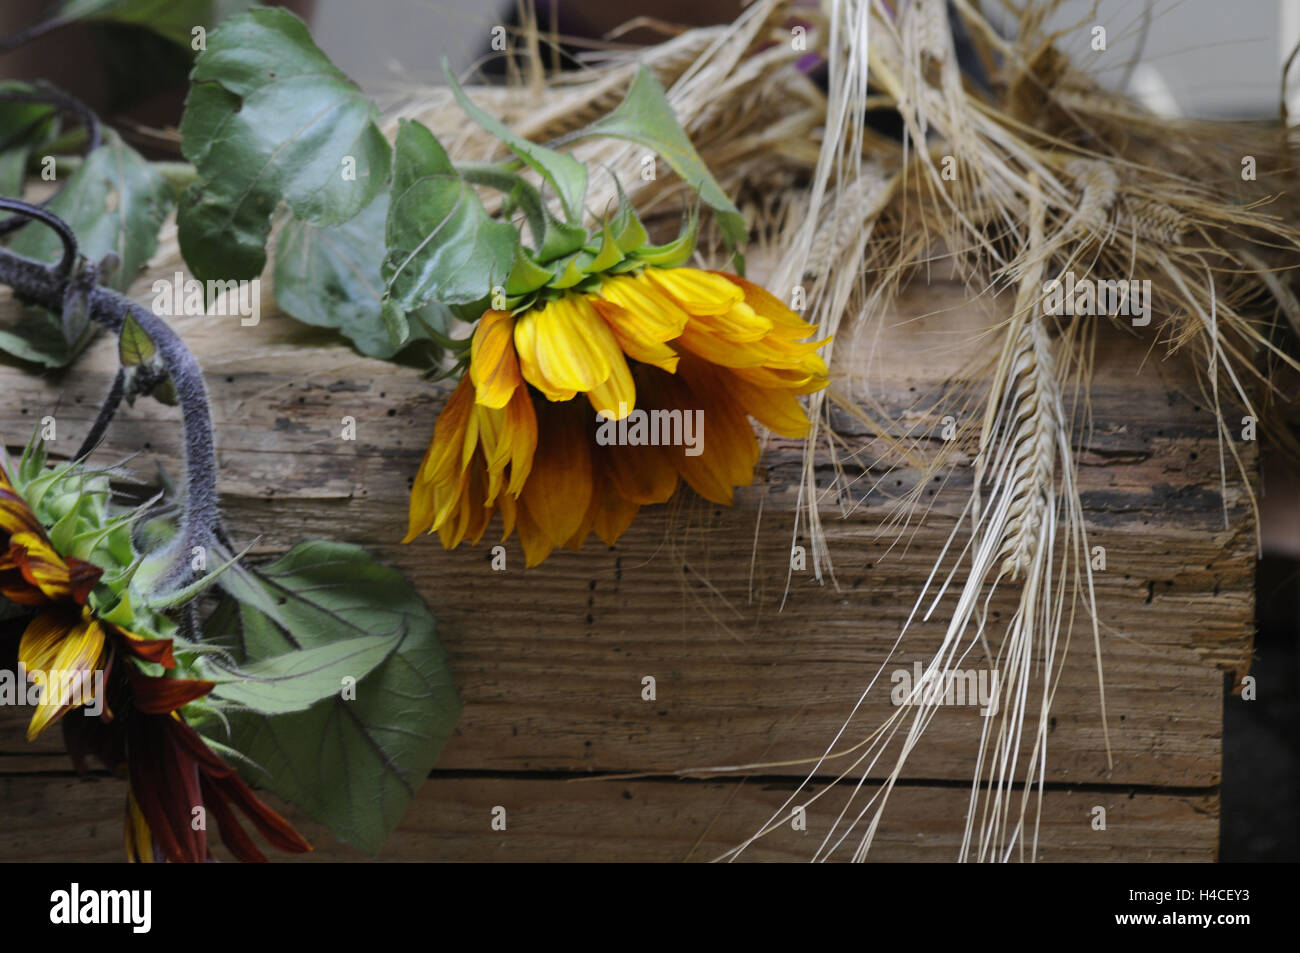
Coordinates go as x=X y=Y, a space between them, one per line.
x=76 y=653
x=526 y=431
x=66 y=644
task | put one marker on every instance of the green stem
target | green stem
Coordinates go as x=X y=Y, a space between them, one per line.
x=179 y=175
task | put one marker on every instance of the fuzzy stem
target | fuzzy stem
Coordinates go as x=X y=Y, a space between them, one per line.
x=106 y=412
x=45 y=286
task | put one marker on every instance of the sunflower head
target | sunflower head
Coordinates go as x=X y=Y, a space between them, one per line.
x=94 y=637
x=602 y=371
x=66 y=557
x=588 y=403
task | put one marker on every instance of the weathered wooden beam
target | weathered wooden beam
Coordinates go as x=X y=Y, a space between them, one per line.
x=60 y=817
x=550 y=661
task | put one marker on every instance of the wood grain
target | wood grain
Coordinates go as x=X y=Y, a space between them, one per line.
x=549 y=662
x=668 y=821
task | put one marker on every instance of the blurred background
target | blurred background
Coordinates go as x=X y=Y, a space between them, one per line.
x=1191 y=58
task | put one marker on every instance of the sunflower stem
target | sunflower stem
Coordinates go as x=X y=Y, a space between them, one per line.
x=107 y=410
x=45 y=286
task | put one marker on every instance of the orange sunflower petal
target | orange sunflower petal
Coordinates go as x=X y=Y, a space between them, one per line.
x=559 y=489
x=494 y=367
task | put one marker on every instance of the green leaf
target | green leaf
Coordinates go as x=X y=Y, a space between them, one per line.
x=441 y=244
x=174 y=19
x=562 y=172
x=395 y=323
x=297 y=680
x=268 y=118
x=646 y=117
x=13 y=172
x=353 y=765
x=332 y=277
x=23 y=127
x=134 y=346
x=114 y=202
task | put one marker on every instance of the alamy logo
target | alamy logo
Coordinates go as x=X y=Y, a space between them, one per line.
x=74 y=687
x=953 y=687
x=1084 y=296
x=654 y=428
x=179 y=296
x=72 y=906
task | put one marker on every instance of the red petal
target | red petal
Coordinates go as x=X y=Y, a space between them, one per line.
x=82 y=577
x=161 y=696
x=232 y=833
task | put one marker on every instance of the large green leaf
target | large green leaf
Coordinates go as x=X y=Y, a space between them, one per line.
x=332 y=277
x=269 y=117
x=297 y=680
x=351 y=763
x=565 y=174
x=115 y=202
x=441 y=244
x=646 y=117
x=174 y=19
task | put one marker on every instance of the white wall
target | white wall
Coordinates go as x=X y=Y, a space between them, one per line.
x=1214 y=58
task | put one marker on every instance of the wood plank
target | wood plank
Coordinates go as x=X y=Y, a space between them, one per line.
x=549 y=662
x=58 y=817
x=551 y=676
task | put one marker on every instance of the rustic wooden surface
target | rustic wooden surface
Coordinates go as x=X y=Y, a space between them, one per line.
x=549 y=662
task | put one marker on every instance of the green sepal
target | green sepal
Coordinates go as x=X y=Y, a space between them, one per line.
x=677 y=252
x=629 y=233
x=186 y=593
x=572 y=274
x=560 y=240
x=608 y=256
x=526 y=275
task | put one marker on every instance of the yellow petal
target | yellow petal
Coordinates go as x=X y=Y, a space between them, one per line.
x=647 y=311
x=777 y=409
x=493 y=367
x=443 y=465
x=638 y=340
x=616 y=397
x=613 y=517
x=139 y=841
x=575 y=348
x=740 y=325
x=730 y=449
x=535 y=541
x=69 y=677
x=521 y=425
x=771 y=307
x=42 y=638
x=696 y=292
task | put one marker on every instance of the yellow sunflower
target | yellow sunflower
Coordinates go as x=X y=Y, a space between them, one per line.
x=520 y=433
